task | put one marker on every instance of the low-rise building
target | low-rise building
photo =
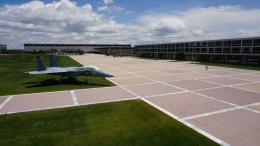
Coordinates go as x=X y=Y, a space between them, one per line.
x=89 y=48
x=117 y=51
x=239 y=50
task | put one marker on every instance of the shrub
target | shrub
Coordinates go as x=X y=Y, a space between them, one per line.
x=180 y=56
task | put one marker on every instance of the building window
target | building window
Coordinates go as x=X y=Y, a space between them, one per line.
x=226 y=50
x=256 y=42
x=235 y=50
x=246 y=50
x=204 y=50
x=247 y=42
x=256 y=50
x=236 y=43
x=204 y=44
x=211 y=50
x=211 y=44
x=219 y=44
x=218 y=50
x=227 y=43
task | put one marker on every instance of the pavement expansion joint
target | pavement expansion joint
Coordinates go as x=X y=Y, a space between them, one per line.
x=154 y=69
x=74 y=97
x=210 y=113
x=6 y=101
x=174 y=116
x=158 y=95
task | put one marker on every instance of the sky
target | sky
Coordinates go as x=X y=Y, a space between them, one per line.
x=125 y=21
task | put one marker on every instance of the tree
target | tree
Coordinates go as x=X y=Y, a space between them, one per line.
x=180 y=56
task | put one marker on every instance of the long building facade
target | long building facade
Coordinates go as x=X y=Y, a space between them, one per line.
x=239 y=50
x=117 y=51
x=93 y=48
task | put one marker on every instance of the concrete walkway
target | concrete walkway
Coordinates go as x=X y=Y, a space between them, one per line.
x=221 y=103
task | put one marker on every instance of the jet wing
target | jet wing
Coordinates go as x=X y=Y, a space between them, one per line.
x=73 y=71
x=54 y=70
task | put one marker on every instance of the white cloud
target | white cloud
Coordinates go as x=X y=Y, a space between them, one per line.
x=30 y=22
x=129 y=12
x=103 y=8
x=65 y=22
x=221 y=22
x=220 y=18
x=163 y=25
x=241 y=32
x=108 y=1
x=112 y=8
x=117 y=8
x=210 y=23
x=197 y=32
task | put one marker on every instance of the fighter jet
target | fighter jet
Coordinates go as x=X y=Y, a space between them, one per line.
x=69 y=72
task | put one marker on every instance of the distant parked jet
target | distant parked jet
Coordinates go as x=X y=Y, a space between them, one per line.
x=70 y=72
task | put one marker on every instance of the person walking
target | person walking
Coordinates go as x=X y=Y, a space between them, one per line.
x=206 y=69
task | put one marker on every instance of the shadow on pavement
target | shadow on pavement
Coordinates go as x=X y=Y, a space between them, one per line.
x=54 y=82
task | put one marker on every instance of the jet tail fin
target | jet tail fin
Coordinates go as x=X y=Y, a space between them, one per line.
x=40 y=65
x=52 y=61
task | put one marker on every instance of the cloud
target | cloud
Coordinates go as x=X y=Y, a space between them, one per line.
x=117 y=8
x=197 y=32
x=66 y=22
x=103 y=8
x=222 y=21
x=221 y=18
x=129 y=12
x=163 y=25
x=108 y=1
x=112 y=8
x=241 y=32
x=206 y=23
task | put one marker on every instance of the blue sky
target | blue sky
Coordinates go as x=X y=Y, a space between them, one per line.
x=126 y=21
x=138 y=4
x=140 y=7
x=161 y=5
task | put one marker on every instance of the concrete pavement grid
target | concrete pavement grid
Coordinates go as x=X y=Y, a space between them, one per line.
x=256 y=107
x=2 y=99
x=208 y=101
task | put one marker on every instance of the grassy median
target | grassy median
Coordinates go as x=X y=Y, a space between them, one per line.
x=13 y=80
x=119 y=123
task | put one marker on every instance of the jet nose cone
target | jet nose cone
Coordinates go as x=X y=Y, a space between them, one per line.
x=105 y=74
x=108 y=75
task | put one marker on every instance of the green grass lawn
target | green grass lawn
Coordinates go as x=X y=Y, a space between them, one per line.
x=230 y=65
x=119 y=123
x=13 y=80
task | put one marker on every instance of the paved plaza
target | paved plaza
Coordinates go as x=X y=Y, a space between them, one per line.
x=221 y=103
